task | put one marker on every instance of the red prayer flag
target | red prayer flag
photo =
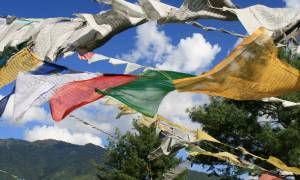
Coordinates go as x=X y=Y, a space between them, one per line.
x=268 y=177
x=79 y=93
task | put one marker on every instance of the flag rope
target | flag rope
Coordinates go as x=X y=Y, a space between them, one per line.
x=92 y=126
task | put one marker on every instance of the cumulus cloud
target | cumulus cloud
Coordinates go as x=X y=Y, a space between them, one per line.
x=56 y=133
x=292 y=3
x=151 y=44
x=174 y=107
x=191 y=54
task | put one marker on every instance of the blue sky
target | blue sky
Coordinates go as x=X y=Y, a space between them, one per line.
x=120 y=45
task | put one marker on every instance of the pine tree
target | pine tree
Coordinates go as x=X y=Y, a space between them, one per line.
x=262 y=128
x=127 y=157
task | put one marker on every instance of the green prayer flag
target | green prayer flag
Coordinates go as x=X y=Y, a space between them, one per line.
x=146 y=93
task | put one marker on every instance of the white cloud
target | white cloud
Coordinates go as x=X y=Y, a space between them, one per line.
x=33 y=114
x=174 y=107
x=56 y=133
x=151 y=44
x=292 y=3
x=191 y=54
x=101 y=116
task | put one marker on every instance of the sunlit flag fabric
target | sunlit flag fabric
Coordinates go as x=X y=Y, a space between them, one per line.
x=273 y=19
x=9 y=52
x=77 y=94
x=35 y=90
x=129 y=67
x=54 y=37
x=146 y=93
x=284 y=103
x=251 y=72
x=46 y=68
x=268 y=177
x=23 y=61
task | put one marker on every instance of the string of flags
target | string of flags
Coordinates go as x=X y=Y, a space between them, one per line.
x=177 y=137
x=129 y=67
x=142 y=93
x=54 y=37
x=252 y=71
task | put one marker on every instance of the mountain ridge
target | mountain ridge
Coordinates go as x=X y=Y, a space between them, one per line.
x=55 y=160
x=49 y=159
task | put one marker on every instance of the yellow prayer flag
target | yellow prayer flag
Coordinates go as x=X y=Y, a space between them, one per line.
x=201 y=135
x=252 y=71
x=274 y=161
x=226 y=156
x=124 y=110
x=175 y=125
x=244 y=151
x=147 y=121
x=23 y=61
x=281 y=165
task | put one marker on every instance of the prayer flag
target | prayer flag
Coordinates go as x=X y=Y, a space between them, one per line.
x=77 y=94
x=35 y=90
x=146 y=93
x=46 y=68
x=23 y=61
x=251 y=72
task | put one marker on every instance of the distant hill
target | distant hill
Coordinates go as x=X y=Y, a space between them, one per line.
x=49 y=159
x=55 y=160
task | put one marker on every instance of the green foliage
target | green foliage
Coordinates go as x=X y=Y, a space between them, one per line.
x=262 y=128
x=127 y=157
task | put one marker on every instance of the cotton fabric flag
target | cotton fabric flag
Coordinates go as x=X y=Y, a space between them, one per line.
x=46 y=68
x=268 y=177
x=93 y=57
x=35 y=90
x=124 y=110
x=283 y=102
x=77 y=94
x=281 y=165
x=9 y=52
x=273 y=19
x=274 y=161
x=203 y=136
x=54 y=37
x=251 y=72
x=226 y=156
x=146 y=93
x=23 y=61
x=189 y=10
